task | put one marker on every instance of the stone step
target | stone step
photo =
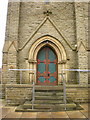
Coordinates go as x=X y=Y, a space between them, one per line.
x=46 y=106
x=49 y=93
x=28 y=104
x=48 y=97
x=48 y=101
x=20 y=109
x=49 y=88
x=42 y=108
x=37 y=106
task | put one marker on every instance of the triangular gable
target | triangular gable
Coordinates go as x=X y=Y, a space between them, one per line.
x=12 y=45
x=47 y=18
x=80 y=47
x=8 y=44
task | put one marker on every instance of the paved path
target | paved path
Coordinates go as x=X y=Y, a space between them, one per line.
x=9 y=112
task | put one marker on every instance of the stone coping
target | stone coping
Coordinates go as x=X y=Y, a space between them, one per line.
x=18 y=86
x=29 y=85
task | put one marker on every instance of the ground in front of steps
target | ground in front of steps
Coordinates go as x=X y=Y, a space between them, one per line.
x=7 y=112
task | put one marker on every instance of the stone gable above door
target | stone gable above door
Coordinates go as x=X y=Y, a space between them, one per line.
x=47 y=27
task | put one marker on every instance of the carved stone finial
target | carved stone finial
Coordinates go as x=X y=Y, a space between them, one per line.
x=47 y=12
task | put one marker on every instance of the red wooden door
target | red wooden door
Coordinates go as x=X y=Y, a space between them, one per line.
x=46 y=67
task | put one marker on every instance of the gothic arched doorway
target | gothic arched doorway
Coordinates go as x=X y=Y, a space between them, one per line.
x=47 y=66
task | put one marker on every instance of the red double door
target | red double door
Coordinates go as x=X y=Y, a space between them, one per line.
x=46 y=67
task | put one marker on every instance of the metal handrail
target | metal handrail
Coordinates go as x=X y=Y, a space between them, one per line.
x=33 y=95
x=33 y=89
x=21 y=70
x=64 y=90
x=79 y=71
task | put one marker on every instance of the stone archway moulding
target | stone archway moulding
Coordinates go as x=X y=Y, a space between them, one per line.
x=54 y=44
x=50 y=41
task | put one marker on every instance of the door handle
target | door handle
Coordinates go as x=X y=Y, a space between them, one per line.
x=48 y=74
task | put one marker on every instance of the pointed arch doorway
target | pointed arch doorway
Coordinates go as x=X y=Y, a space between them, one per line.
x=47 y=66
x=59 y=52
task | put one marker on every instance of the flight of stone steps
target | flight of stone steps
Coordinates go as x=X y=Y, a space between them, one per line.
x=47 y=98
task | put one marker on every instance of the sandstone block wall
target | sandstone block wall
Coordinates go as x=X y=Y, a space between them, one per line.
x=2 y=91
x=24 y=27
x=78 y=93
x=18 y=94
x=31 y=16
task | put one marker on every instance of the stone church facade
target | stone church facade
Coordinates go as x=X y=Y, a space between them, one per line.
x=47 y=37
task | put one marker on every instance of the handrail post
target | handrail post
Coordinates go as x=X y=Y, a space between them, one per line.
x=20 y=77
x=33 y=95
x=79 y=78
x=64 y=87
